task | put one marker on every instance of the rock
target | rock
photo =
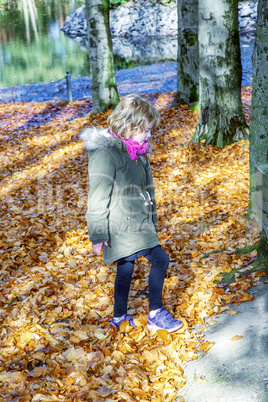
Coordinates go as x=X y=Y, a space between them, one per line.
x=244 y=22
x=147 y=29
x=80 y=11
x=246 y=11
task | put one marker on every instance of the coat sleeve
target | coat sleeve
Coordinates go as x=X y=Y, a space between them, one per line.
x=101 y=169
x=150 y=189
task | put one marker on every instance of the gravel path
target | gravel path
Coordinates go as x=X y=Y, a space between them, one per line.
x=158 y=77
x=233 y=370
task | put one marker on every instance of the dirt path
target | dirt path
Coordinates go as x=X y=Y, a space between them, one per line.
x=234 y=369
x=160 y=77
x=149 y=79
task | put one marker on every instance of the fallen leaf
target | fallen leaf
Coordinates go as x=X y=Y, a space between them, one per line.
x=57 y=295
x=232 y=312
x=73 y=354
x=261 y=273
x=201 y=379
x=162 y=334
x=139 y=392
x=236 y=338
x=100 y=335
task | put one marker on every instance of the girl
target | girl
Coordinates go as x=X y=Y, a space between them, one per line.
x=121 y=212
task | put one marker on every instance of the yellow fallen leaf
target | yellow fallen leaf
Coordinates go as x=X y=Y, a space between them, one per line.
x=42 y=398
x=232 y=312
x=73 y=354
x=261 y=273
x=100 y=335
x=82 y=335
x=201 y=379
x=17 y=375
x=244 y=296
x=148 y=356
x=138 y=391
x=162 y=334
x=47 y=260
x=58 y=239
x=59 y=382
x=75 y=339
x=236 y=338
x=38 y=371
x=125 y=327
x=27 y=337
x=205 y=346
x=93 y=357
x=67 y=252
x=51 y=340
x=39 y=356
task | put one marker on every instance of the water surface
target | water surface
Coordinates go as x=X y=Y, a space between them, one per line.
x=32 y=47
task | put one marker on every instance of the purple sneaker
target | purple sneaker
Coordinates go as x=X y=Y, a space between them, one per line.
x=163 y=320
x=125 y=317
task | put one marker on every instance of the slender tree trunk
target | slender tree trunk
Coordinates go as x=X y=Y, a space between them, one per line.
x=259 y=106
x=103 y=83
x=188 y=63
x=221 y=119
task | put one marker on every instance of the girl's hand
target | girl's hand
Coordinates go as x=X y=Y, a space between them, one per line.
x=97 y=247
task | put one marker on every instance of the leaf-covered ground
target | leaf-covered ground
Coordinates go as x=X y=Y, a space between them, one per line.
x=57 y=296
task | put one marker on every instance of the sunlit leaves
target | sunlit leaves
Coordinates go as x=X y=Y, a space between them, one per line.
x=57 y=296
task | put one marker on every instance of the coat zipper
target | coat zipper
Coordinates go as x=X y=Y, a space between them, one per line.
x=142 y=184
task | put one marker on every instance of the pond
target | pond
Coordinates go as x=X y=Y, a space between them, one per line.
x=32 y=46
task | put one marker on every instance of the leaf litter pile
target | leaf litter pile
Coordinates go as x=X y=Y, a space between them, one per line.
x=57 y=296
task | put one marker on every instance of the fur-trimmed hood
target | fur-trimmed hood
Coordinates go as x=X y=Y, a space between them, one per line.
x=96 y=138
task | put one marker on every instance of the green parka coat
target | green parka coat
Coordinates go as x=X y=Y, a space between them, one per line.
x=121 y=201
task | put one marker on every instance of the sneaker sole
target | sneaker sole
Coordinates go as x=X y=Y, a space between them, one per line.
x=153 y=327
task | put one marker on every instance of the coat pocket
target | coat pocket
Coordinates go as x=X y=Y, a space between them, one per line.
x=118 y=224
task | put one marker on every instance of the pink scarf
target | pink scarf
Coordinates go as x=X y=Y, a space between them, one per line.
x=133 y=147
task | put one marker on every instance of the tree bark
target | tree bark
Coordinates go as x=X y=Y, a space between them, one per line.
x=221 y=119
x=188 y=63
x=103 y=83
x=259 y=104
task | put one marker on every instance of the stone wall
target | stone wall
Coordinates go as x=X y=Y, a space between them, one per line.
x=261 y=198
x=147 y=30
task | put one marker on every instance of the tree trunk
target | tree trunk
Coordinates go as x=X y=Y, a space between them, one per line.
x=221 y=119
x=103 y=83
x=259 y=106
x=187 y=85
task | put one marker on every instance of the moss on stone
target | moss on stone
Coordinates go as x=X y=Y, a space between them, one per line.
x=260 y=263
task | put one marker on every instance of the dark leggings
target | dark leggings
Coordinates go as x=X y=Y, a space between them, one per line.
x=125 y=266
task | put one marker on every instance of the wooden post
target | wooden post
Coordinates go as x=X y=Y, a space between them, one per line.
x=69 y=87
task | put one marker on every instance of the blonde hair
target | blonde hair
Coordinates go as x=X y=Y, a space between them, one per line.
x=133 y=114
